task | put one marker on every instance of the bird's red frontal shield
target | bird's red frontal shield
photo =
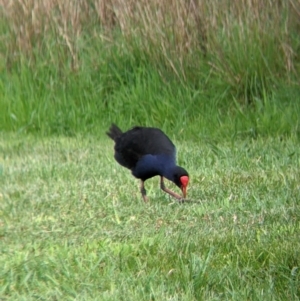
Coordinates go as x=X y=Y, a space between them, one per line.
x=184 y=183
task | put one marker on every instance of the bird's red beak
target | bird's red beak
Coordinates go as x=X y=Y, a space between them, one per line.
x=183 y=191
x=184 y=183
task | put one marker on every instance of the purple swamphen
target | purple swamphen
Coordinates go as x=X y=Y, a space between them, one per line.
x=148 y=152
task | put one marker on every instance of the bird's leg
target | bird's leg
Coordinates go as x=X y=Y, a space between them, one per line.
x=143 y=192
x=170 y=192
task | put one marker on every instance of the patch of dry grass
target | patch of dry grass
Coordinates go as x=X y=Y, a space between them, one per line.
x=168 y=30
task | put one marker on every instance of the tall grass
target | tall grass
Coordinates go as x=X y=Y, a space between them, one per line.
x=69 y=64
x=231 y=33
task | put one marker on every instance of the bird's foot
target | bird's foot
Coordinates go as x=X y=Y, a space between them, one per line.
x=144 y=192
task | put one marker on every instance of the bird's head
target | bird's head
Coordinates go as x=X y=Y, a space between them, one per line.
x=181 y=179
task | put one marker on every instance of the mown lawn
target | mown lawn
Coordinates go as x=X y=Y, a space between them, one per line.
x=73 y=225
x=221 y=78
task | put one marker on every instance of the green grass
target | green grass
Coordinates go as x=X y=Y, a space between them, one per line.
x=40 y=101
x=220 y=78
x=215 y=69
x=73 y=224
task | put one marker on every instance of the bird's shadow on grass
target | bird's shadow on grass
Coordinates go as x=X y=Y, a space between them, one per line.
x=184 y=201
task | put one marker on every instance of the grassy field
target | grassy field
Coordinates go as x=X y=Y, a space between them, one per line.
x=220 y=67
x=221 y=78
x=74 y=226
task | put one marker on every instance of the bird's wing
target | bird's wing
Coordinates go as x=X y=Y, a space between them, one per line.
x=138 y=142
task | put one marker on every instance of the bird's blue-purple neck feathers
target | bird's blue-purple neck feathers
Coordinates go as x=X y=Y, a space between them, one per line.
x=152 y=165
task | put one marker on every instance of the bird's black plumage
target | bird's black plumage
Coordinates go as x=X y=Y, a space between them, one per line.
x=132 y=145
x=147 y=152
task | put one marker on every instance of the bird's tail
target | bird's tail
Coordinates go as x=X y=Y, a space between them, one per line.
x=114 y=132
